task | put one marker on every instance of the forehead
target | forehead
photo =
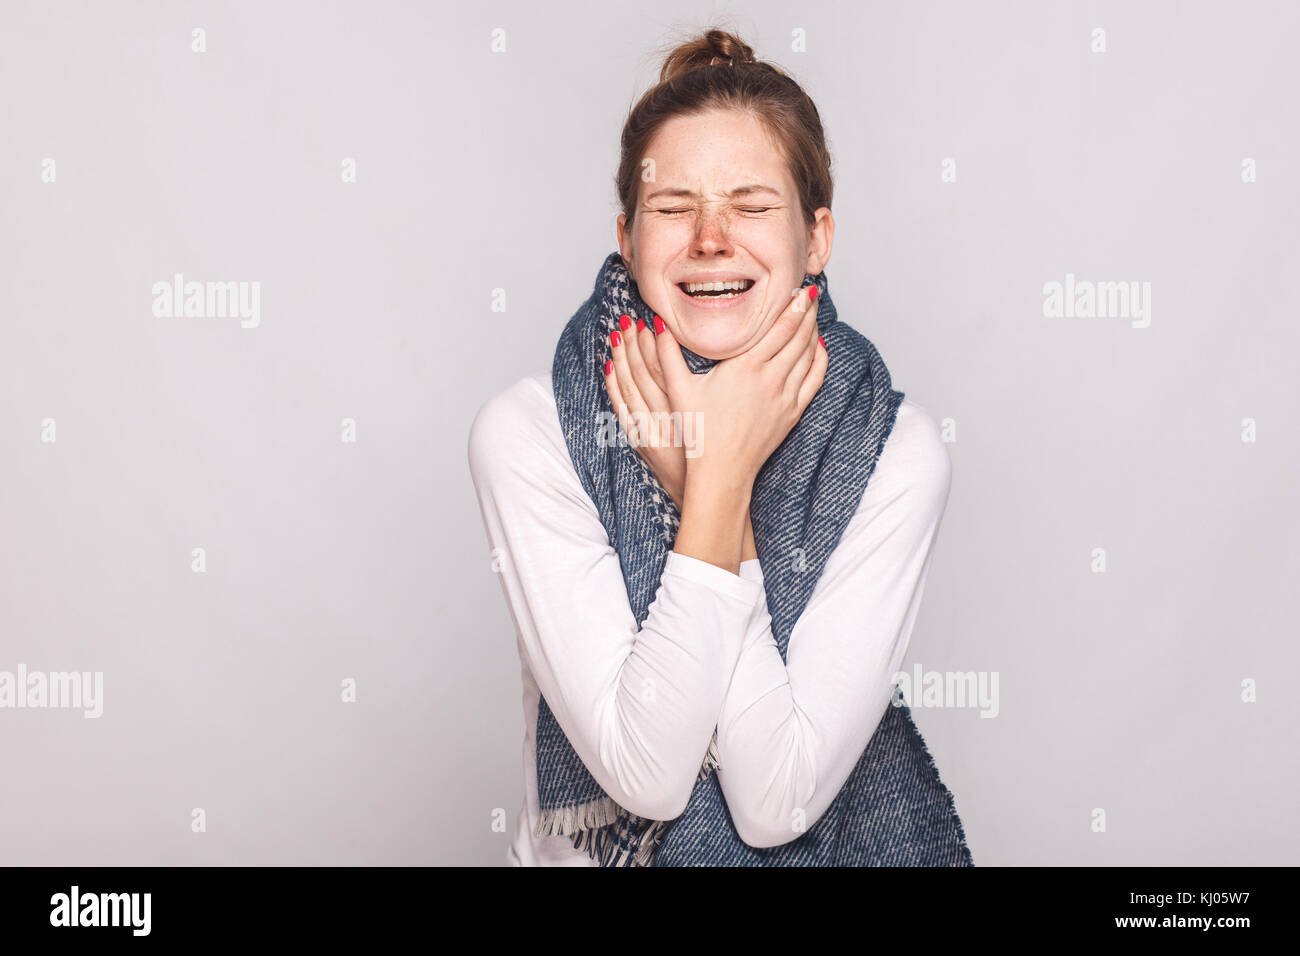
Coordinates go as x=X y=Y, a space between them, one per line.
x=714 y=152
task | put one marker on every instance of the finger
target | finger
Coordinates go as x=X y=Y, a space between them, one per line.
x=786 y=325
x=636 y=407
x=816 y=376
x=630 y=420
x=670 y=355
x=645 y=340
x=618 y=346
x=645 y=383
x=616 y=396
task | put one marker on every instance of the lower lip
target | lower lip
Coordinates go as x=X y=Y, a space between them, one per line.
x=708 y=302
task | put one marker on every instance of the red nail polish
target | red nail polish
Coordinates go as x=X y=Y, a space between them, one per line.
x=615 y=338
x=640 y=324
x=624 y=322
x=812 y=292
x=659 y=325
x=823 y=341
x=609 y=366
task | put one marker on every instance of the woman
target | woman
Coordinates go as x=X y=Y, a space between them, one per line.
x=710 y=597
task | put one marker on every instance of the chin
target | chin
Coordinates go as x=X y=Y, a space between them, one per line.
x=716 y=329
x=714 y=340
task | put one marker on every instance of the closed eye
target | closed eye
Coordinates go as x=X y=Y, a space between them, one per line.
x=752 y=211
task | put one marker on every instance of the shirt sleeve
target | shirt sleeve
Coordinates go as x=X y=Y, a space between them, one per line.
x=640 y=705
x=790 y=733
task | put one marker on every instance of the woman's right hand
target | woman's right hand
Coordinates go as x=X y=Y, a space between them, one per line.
x=747 y=404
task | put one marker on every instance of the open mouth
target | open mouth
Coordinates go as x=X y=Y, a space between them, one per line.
x=716 y=291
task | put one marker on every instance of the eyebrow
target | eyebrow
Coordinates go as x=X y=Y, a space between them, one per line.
x=738 y=191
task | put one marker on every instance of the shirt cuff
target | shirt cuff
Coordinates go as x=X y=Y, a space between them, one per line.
x=718 y=579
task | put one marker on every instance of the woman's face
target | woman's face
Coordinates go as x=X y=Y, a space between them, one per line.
x=720 y=204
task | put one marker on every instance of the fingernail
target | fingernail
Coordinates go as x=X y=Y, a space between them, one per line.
x=823 y=342
x=624 y=322
x=812 y=292
x=659 y=325
x=615 y=338
x=609 y=366
x=640 y=324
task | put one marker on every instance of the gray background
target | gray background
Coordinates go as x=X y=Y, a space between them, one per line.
x=481 y=171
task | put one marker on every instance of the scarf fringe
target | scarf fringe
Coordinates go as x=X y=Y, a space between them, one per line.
x=566 y=821
x=588 y=824
x=603 y=846
x=646 y=851
x=712 y=759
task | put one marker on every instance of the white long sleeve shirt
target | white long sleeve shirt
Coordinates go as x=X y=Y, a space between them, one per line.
x=640 y=705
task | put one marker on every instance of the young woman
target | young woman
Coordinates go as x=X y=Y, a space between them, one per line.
x=714 y=517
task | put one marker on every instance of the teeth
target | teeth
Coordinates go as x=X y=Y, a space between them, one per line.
x=738 y=285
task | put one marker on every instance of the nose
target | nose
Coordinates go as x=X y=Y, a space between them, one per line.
x=711 y=233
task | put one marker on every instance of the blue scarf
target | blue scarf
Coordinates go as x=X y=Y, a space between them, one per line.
x=893 y=810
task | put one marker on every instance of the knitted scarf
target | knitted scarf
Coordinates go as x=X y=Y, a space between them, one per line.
x=893 y=810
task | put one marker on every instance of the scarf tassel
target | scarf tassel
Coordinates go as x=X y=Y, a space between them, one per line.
x=590 y=824
x=565 y=821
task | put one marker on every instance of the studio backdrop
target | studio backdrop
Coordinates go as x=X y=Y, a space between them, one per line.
x=249 y=612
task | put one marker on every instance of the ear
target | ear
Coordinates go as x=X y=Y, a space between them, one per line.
x=625 y=243
x=821 y=235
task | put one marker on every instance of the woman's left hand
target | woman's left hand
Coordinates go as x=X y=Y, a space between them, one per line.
x=635 y=384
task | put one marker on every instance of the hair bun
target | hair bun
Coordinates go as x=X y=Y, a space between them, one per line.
x=712 y=48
